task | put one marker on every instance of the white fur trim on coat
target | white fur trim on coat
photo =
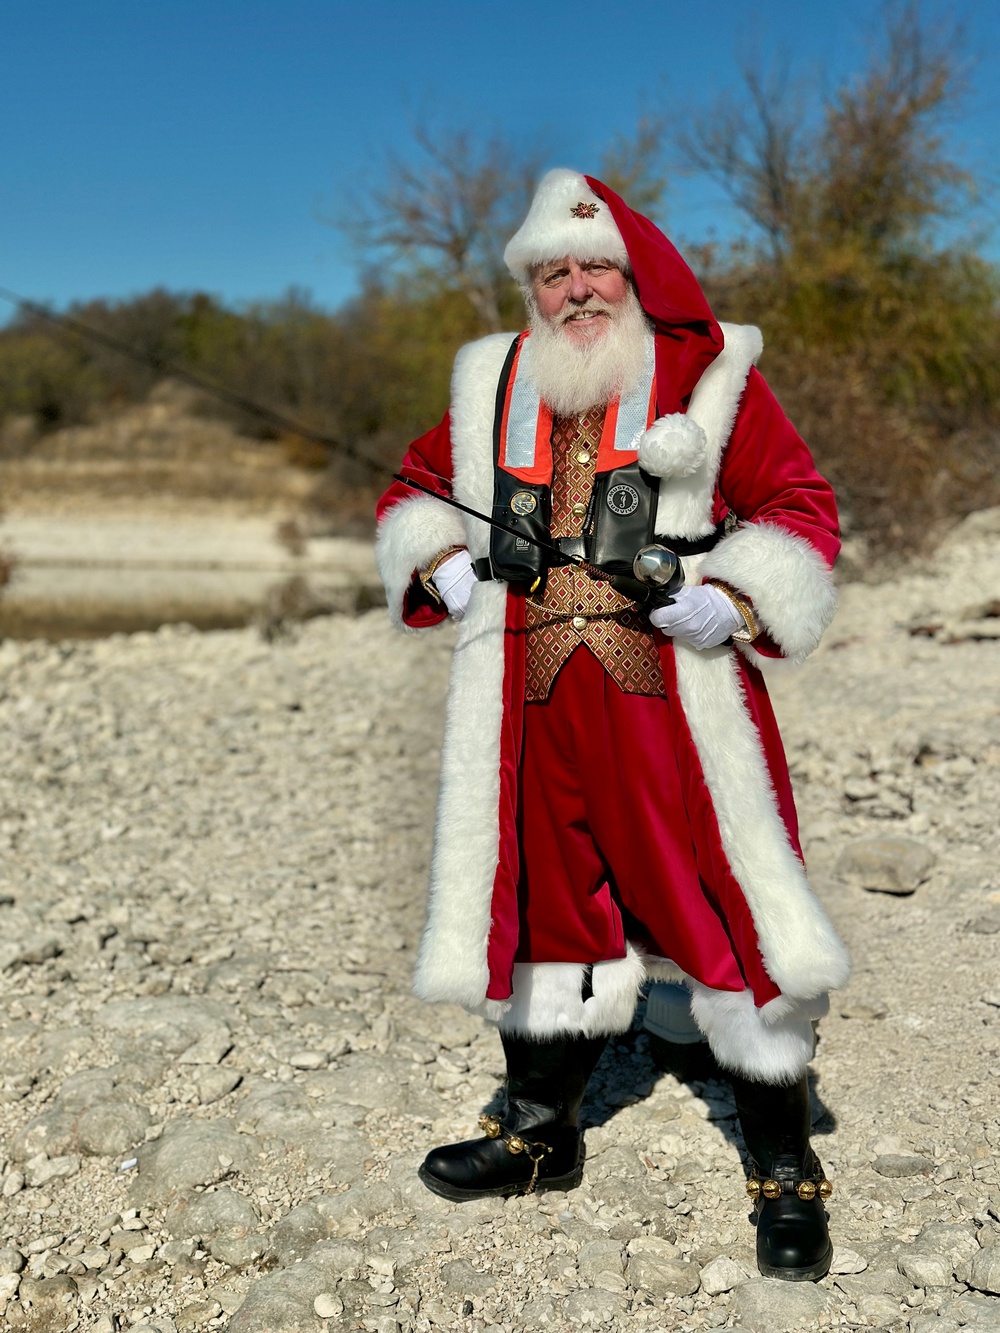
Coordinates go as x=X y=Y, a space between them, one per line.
x=803 y=955
x=451 y=964
x=684 y=508
x=769 y=1048
x=789 y=583
x=547 y=1000
x=409 y=536
x=553 y=230
x=473 y=403
x=418 y=527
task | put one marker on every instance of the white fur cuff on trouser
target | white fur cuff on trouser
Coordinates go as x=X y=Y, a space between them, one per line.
x=548 y=998
x=773 y=1044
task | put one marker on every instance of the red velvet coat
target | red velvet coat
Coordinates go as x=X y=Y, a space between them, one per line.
x=733 y=451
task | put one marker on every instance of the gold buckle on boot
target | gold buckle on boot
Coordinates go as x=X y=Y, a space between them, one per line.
x=536 y=1150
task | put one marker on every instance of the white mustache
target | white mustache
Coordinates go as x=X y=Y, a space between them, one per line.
x=592 y=304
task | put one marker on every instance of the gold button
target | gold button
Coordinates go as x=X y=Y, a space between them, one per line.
x=583 y=456
x=579 y=510
x=579 y=622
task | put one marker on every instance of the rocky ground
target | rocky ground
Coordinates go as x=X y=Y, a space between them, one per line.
x=216 y=1088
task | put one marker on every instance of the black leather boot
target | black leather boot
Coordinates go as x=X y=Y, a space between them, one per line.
x=786 y=1183
x=536 y=1143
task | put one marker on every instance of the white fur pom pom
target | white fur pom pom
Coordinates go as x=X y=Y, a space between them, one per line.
x=674 y=446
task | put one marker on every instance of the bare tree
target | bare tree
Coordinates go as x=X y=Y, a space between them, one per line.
x=452 y=210
x=868 y=166
x=754 y=147
x=884 y=167
x=633 y=165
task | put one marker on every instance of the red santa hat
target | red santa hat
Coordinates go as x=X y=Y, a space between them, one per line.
x=566 y=217
x=581 y=217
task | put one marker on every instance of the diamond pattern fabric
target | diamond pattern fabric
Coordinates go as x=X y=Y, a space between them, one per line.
x=573 y=609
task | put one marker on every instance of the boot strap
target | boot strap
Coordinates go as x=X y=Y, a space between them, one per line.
x=758 y=1188
x=534 y=1149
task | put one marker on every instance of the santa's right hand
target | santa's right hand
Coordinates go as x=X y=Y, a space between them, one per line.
x=454 y=579
x=699 y=615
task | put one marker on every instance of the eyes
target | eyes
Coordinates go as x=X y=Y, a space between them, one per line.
x=556 y=276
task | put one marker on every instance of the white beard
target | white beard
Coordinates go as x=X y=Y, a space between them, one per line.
x=572 y=376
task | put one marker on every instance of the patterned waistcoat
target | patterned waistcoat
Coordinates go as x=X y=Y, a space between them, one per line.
x=574 y=609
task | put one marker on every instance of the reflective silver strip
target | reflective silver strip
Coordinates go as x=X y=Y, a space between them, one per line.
x=522 y=419
x=634 y=406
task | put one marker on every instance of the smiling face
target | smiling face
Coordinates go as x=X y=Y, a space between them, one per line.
x=589 y=334
x=581 y=299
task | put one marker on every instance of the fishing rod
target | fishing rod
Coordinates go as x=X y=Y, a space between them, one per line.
x=658 y=570
x=165 y=365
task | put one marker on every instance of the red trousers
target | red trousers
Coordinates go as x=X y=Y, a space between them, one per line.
x=606 y=846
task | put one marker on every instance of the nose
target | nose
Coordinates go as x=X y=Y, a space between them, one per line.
x=580 y=288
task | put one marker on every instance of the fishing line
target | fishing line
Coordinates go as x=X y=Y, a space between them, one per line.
x=166 y=366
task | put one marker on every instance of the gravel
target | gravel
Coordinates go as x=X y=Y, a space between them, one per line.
x=215 y=1087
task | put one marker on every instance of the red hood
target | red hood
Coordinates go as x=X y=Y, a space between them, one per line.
x=688 y=335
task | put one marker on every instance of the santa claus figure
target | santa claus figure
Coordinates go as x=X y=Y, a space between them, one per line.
x=615 y=803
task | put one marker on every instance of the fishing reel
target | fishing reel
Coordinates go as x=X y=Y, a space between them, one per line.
x=658 y=575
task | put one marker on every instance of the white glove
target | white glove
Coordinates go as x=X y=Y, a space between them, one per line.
x=699 y=615
x=454 y=579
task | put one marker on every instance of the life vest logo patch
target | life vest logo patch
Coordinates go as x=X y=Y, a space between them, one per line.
x=523 y=503
x=623 y=500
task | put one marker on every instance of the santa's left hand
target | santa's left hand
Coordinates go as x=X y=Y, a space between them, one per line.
x=699 y=615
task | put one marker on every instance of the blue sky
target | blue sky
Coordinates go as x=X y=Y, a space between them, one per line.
x=199 y=144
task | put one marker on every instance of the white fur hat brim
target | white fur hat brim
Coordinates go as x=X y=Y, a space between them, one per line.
x=565 y=218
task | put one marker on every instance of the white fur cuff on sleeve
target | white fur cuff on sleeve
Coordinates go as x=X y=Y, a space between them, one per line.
x=410 y=536
x=787 y=580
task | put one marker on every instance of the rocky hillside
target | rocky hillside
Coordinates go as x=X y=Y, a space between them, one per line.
x=216 y=1088
x=164 y=453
